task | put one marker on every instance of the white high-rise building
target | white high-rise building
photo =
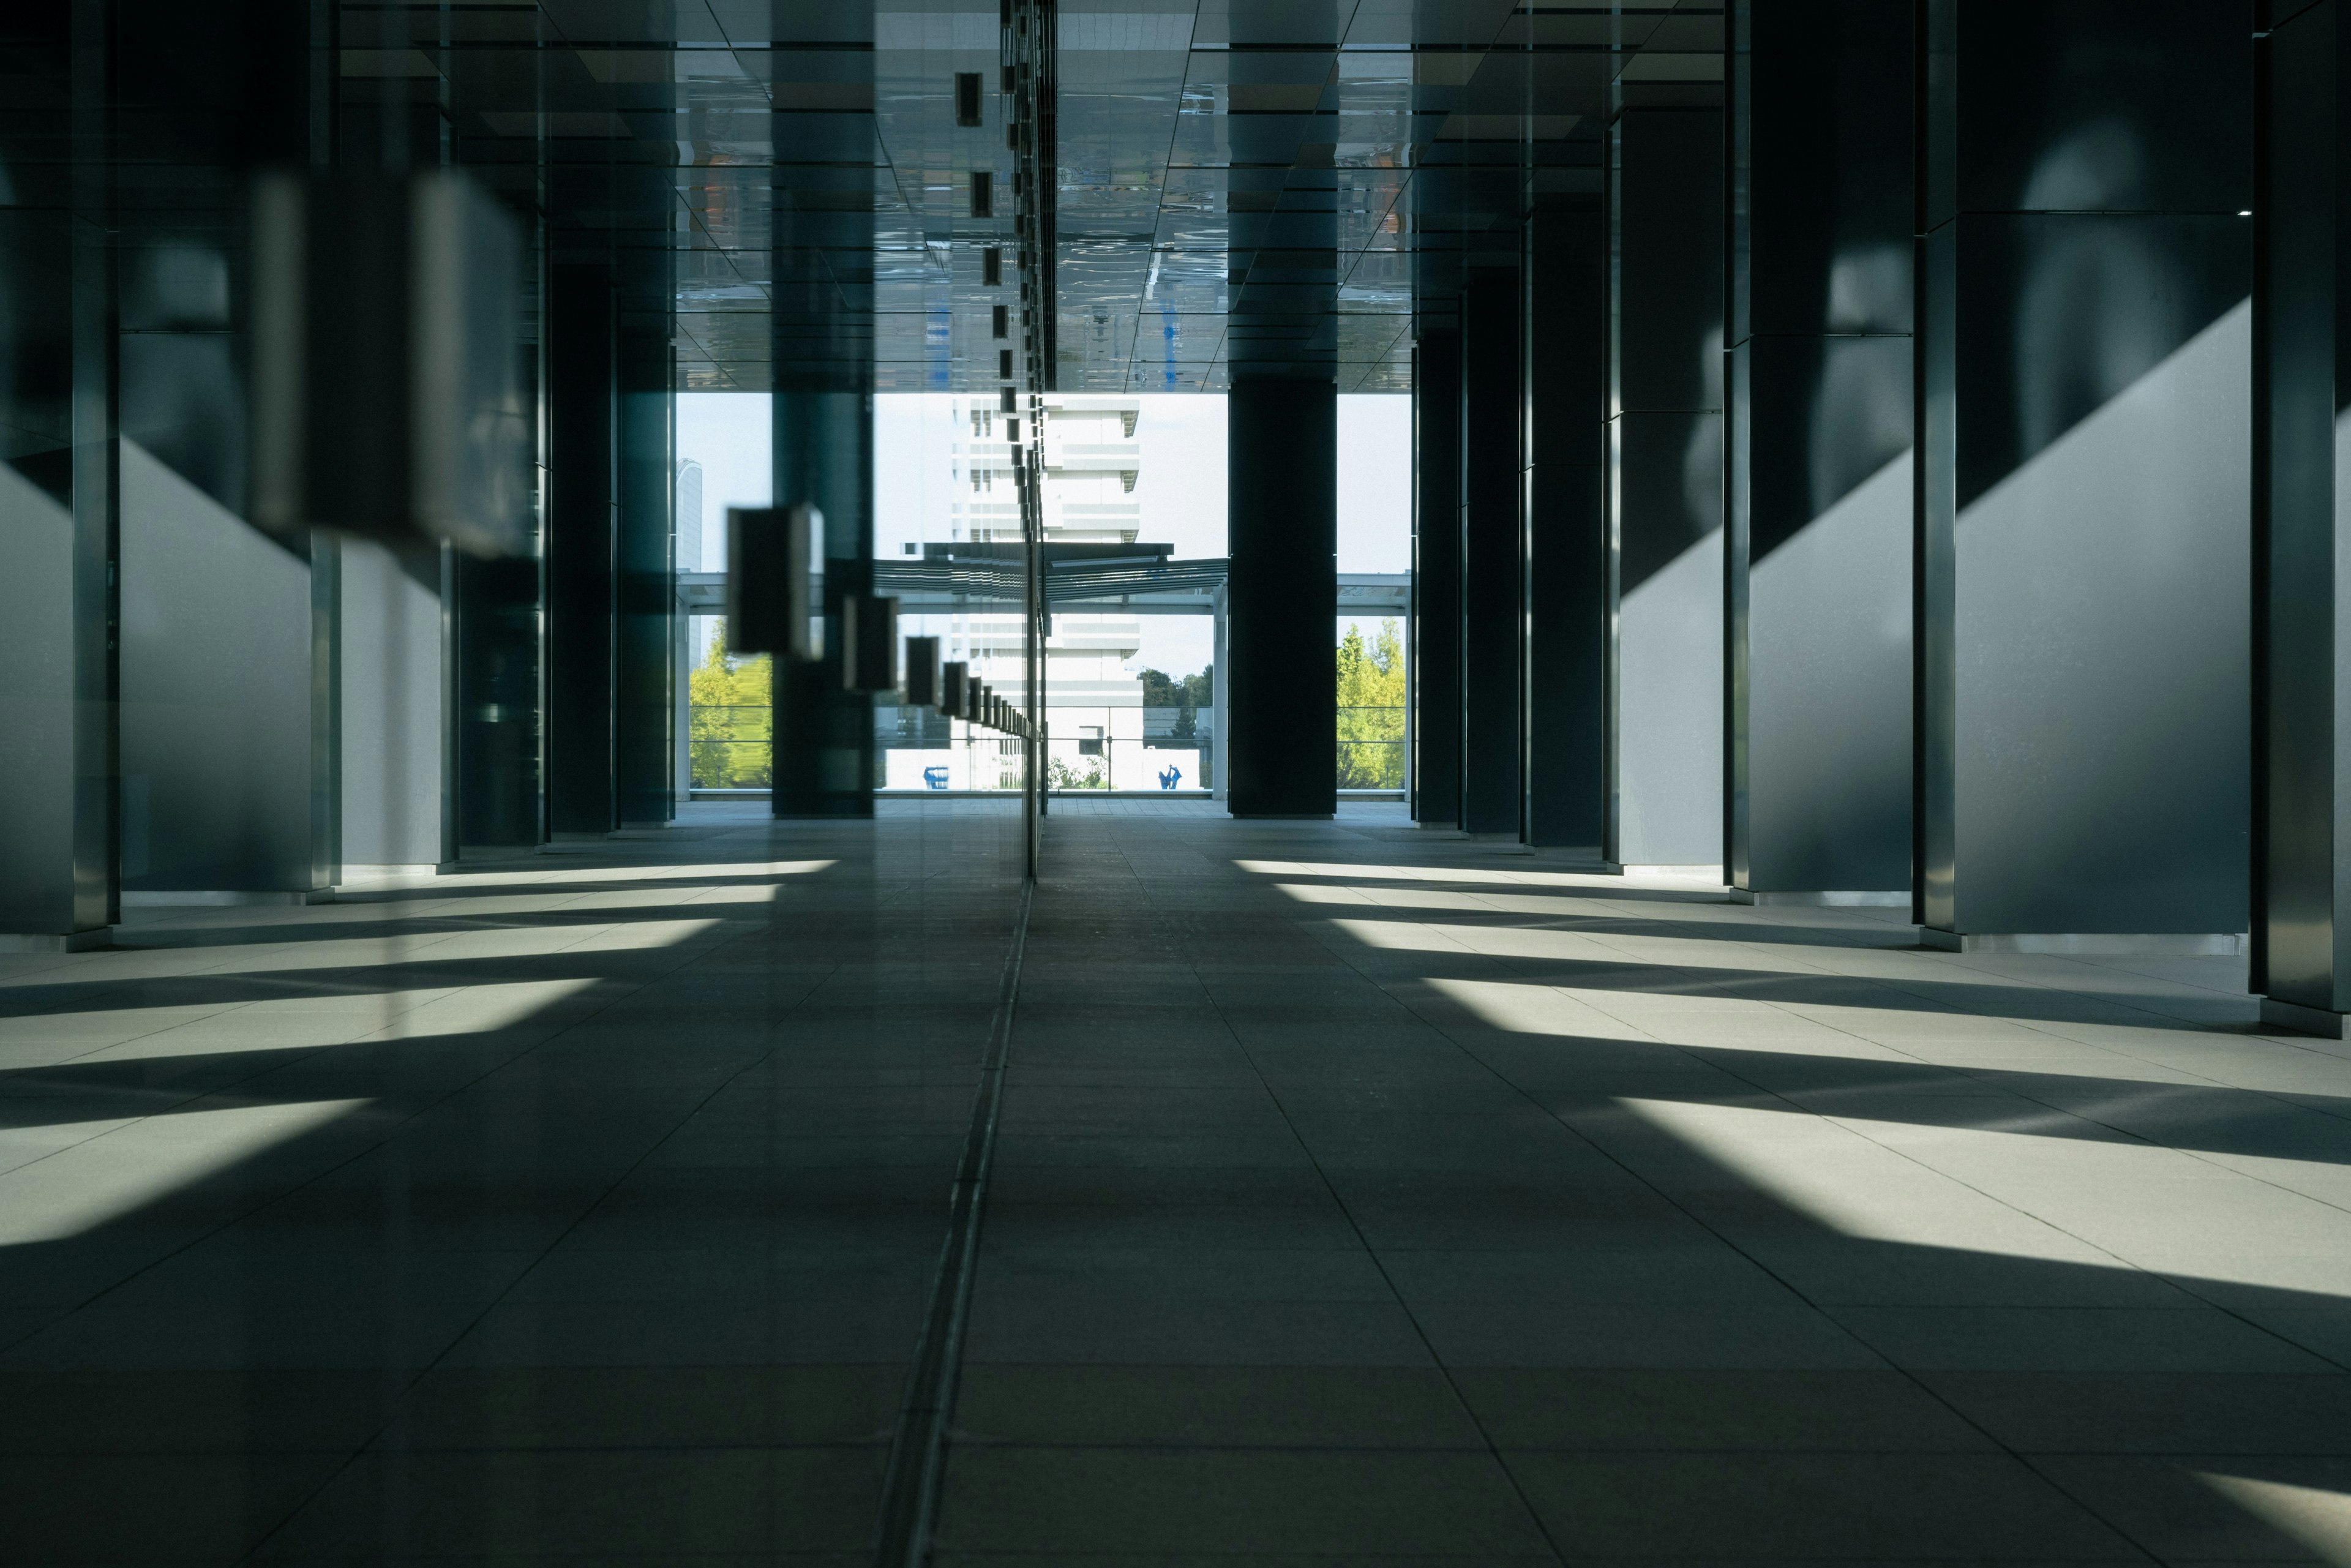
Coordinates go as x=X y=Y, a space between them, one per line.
x=1092 y=459
x=689 y=516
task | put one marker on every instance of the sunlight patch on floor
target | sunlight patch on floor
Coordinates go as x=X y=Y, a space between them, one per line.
x=1914 y=1037
x=289 y=1025
x=119 y=1166
x=2317 y=1519
x=1831 y=1174
x=1481 y=875
x=2028 y=1194
x=556 y=876
x=1546 y=906
x=488 y=941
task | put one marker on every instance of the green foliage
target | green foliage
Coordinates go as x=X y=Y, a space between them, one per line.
x=732 y=719
x=1187 y=695
x=1371 y=710
x=1060 y=775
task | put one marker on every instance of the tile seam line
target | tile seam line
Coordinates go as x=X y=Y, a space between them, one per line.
x=908 y=1518
x=1907 y=1373
x=1915 y=1377
x=1980 y=1075
x=419 y=1373
x=1842 y=1124
x=1493 y=1450
x=2035 y=1025
x=294 y=1057
x=390 y=1134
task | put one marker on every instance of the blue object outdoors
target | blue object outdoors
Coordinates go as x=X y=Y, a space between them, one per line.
x=1170 y=776
x=934 y=777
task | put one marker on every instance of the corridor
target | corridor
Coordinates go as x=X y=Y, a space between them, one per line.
x=1360 y=1194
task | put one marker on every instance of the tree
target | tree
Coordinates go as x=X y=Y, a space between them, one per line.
x=1186 y=696
x=1371 y=710
x=731 y=719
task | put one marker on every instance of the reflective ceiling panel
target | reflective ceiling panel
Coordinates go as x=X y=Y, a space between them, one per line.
x=1275 y=184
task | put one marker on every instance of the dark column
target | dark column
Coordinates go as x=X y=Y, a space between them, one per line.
x=58 y=491
x=581 y=542
x=219 y=737
x=496 y=630
x=497 y=662
x=1282 y=454
x=2082 y=436
x=1436 y=577
x=1491 y=653
x=825 y=763
x=1281 y=519
x=1666 y=483
x=2301 y=383
x=1817 y=529
x=1564 y=366
x=644 y=658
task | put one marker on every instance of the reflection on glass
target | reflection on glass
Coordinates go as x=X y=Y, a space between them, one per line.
x=2102 y=304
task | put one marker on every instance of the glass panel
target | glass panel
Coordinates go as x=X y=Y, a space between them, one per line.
x=1131 y=485
x=1372 y=687
x=730 y=716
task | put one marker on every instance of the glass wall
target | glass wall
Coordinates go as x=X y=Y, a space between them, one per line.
x=1372 y=703
x=725 y=453
x=730 y=715
x=1131 y=678
x=1132 y=483
x=1374 y=494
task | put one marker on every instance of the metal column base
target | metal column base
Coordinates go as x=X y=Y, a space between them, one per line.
x=44 y=942
x=2088 y=944
x=2326 y=1025
x=1829 y=899
x=226 y=899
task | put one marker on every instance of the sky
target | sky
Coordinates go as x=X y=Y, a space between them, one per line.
x=1181 y=484
x=728 y=433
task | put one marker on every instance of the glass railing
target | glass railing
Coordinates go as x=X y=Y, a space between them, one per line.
x=1371 y=748
x=917 y=748
x=729 y=750
x=730 y=746
x=1154 y=764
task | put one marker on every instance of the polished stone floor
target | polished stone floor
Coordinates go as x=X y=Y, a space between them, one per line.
x=1360 y=1195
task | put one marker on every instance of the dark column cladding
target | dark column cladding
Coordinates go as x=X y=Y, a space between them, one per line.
x=228 y=781
x=2083 y=546
x=823 y=324
x=1564 y=367
x=582 y=579
x=57 y=396
x=1283 y=523
x=1817 y=450
x=1665 y=484
x=2301 y=367
x=1490 y=649
x=1436 y=579
x=497 y=662
x=646 y=593
x=824 y=753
